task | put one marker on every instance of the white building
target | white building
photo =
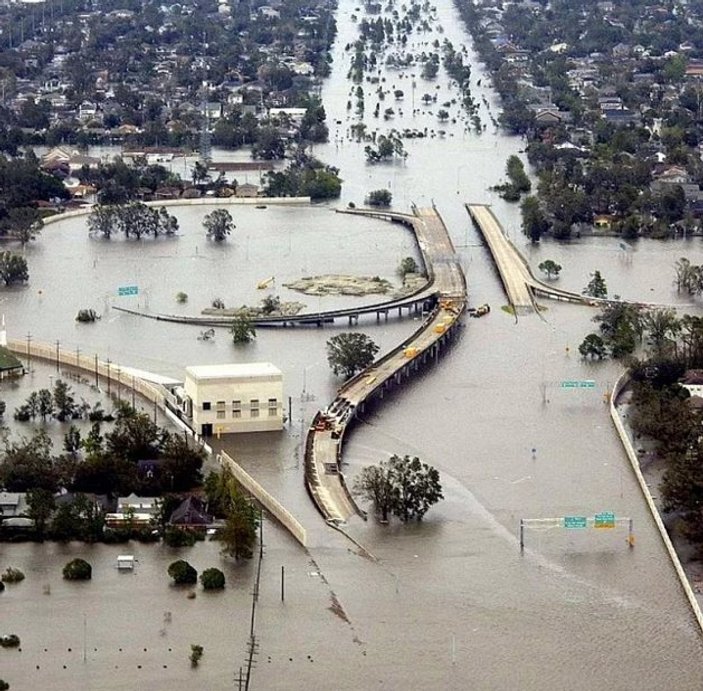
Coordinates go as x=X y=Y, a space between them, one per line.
x=224 y=399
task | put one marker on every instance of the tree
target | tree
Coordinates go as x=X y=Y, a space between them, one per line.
x=662 y=327
x=46 y=403
x=381 y=198
x=270 y=304
x=78 y=570
x=13 y=268
x=406 y=486
x=226 y=498
x=182 y=572
x=408 y=266
x=347 y=353
x=242 y=330
x=64 y=402
x=375 y=484
x=41 y=505
x=102 y=220
x=416 y=487
x=218 y=224
x=551 y=268
x=212 y=579
x=596 y=287
x=238 y=535
x=534 y=221
x=593 y=347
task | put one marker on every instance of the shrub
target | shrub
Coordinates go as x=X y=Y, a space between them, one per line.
x=87 y=316
x=78 y=570
x=181 y=297
x=2 y=586
x=196 y=652
x=381 y=197
x=176 y=537
x=4 y=686
x=182 y=572
x=212 y=579
x=12 y=575
x=10 y=641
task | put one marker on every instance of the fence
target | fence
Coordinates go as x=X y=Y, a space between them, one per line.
x=634 y=462
x=272 y=505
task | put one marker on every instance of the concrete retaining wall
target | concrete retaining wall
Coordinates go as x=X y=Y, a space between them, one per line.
x=122 y=384
x=634 y=462
x=272 y=505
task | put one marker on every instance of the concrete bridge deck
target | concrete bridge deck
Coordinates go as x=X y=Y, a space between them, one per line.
x=323 y=449
x=519 y=282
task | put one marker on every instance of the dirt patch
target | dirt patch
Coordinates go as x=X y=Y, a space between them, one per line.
x=286 y=309
x=338 y=284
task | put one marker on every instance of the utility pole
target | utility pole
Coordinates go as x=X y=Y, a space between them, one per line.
x=29 y=352
x=57 y=355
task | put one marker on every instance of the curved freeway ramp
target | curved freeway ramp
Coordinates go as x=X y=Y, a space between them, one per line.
x=323 y=448
x=517 y=278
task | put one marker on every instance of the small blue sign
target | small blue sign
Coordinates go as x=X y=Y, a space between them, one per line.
x=127 y=290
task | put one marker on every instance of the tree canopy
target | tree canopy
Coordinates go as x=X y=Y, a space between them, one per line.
x=348 y=353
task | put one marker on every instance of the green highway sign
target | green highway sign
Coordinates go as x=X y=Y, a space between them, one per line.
x=573 y=522
x=604 y=520
x=128 y=290
x=578 y=384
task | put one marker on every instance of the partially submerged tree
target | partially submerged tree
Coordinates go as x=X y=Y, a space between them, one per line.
x=348 y=353
x=78 y=570
x=596 y=287
x=13 y=268
x=182 y=572
x=406 y=487
x=218 y=224
x=593 y=347
x=242 y=330
x=381 y=198
x=550 y=267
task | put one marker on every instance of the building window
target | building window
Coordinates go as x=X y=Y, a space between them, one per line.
x=221 y=405
x=236 y=409
x=206 y=405
x=254 y=407
x=273 y=407
x=221 y=414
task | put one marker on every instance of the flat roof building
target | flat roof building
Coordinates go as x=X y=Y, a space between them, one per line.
x=231 y=398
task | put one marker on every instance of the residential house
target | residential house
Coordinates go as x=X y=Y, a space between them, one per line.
x=191 y=515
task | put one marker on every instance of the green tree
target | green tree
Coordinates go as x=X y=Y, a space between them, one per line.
x=64 y=402
x=596 y=287
x=408 y=265
x=46 y=403
x=218 y=224
x=182 y=572
x=212 y=579
x=416 y=487
x=662 y=326
x=534 y=221
x=13 y=268
x=551 y=268
x=226 y=498
x=78 y=570
x=593 y=347
x=196 y=653
x=102 y=220
x=375 y=484
x=381 y=198
x=41 y=505
x=242 y=330
x=348 y=353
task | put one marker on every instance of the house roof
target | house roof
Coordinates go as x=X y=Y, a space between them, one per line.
x=191 y=511
x=8 y=361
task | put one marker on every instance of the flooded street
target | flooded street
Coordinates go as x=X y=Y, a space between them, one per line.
x=449 y=603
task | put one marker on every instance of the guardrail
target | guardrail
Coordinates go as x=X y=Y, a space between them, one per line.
x=634 y=462
x=272 y=505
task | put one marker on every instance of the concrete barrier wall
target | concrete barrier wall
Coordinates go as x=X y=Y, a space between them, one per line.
x=634 y=462
x=123 y=384
x=272 y=505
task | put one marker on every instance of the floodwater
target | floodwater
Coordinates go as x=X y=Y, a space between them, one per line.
x=449 y=603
